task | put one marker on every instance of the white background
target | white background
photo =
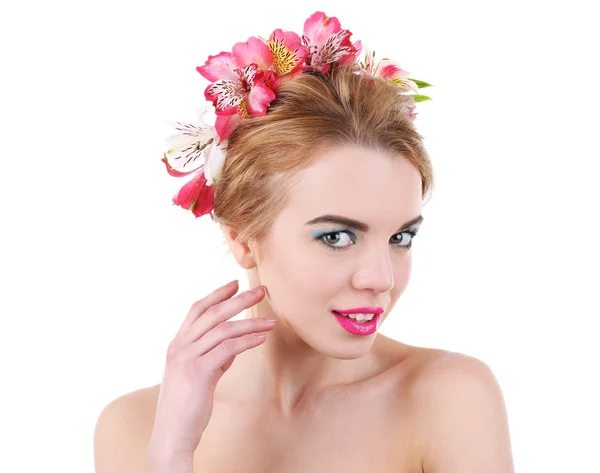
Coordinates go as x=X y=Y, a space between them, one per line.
x=98 y=268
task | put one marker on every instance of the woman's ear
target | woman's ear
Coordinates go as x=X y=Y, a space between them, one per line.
x=243 y=252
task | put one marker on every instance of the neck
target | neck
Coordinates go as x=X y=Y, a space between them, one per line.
x=286 y=373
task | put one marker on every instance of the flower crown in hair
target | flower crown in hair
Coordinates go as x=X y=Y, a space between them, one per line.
x=243 y=84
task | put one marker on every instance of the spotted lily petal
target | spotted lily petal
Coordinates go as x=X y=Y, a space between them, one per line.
x=270 y=79
x=288 y=52
x=226 y=95
x=327 y=41
x=187 y=148
x=334 y=49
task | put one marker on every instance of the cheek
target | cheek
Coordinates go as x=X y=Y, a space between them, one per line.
x=401 y=277
x=298 y=277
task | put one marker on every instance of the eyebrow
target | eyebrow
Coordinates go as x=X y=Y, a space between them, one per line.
x=349 y=222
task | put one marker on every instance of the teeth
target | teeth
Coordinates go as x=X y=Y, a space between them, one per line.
x=360 y=317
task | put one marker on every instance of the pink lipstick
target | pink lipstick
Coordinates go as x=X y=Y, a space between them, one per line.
x=358 y=328
x=361 y=310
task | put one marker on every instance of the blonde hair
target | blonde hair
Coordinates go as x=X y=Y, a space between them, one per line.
x=311 y=112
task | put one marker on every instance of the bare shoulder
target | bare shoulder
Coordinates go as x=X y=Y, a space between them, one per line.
x=462 y=409
x=123 y=431
x=407 y=362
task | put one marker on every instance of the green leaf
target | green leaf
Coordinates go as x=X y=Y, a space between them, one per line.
x=420 y=83
x=420 y=98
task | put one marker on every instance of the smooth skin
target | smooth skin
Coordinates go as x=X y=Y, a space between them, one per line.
x=204 y=348
x=302 y=391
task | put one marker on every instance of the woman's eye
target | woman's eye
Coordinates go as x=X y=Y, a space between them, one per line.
x=333 y=239
x=404 y=239
x=342 y=239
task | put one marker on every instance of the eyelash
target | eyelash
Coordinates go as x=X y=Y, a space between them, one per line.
x=320 y=239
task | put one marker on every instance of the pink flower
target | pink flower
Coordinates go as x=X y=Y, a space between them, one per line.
x=327 y=42
x=399 y=77
x=236 y=88
x=243 y=81
x=192 y=143
x=389 y=71
x=196 y=195
x=288 y=53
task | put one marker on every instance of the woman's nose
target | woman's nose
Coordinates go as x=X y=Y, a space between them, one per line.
x=375 y=272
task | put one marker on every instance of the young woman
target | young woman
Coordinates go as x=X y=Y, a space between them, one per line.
x=316 y=175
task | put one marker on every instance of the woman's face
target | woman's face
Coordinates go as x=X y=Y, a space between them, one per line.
x=312 y=269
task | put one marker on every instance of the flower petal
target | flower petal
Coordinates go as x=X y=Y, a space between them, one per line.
x=225 y=124
x=397 y=76
x=214 y=164
x=188 y=146
x=221 y=66
x=413 y=85
x=405 y=84
x=253 y=51
x=322 y=69
x=334 y=49
x=247 y=74
x=205 y=202
x=259 y=98
x=358 y=46
x=196 y=196
x=206 y=115
x=319 y=27
x=172 y=171
x=226 y=95
x=270 y=79
x=288 y=52
x=389 y=70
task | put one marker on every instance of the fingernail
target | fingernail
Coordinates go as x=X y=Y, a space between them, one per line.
x=235 y=281
x=258 y=289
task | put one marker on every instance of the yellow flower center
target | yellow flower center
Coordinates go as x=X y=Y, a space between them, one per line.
x=244 y=110
x=284 y=60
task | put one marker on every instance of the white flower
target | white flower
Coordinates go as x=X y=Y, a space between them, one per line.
x=214 y=162
x=188 y=149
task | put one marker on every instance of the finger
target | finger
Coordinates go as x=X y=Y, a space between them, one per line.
x=218 y=313
x=230 y=329
x=201 y=305
x=220 y=356
x=228 y=364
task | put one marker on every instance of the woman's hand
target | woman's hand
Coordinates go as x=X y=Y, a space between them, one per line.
x=201 y=352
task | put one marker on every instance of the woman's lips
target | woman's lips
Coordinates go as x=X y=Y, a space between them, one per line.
x=361 y=310
x=357 y=328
